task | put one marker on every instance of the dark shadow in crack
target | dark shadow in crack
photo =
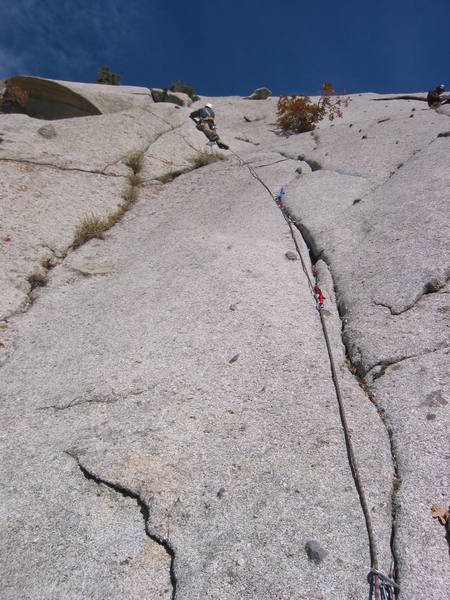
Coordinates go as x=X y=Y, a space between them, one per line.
x=406 y=97
x=143 y=507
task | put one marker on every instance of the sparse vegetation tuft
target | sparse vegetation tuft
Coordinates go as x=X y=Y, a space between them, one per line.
x=93 y=226
x=90 y=227
x=37 y=279
x=203 y=158
x=397 y=483
x=299 y=113
x=129 y=197
x=135 y=180
x=48 y=263
x=135 y=161
x=179 y=86
x=171 y=175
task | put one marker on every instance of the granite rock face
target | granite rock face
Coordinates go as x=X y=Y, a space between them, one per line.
x=170 y=427
x=49 y=99
x=178 y=98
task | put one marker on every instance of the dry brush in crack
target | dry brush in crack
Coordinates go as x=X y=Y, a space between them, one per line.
x=201 y=159
x=93 y=226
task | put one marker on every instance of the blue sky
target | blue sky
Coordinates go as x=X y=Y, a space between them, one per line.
x=227 y=47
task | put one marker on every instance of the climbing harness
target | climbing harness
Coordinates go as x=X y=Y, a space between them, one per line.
x=206 y=118
x=384 y=587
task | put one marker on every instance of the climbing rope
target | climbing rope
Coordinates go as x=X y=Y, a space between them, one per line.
x=387 y=584
x=383 y=586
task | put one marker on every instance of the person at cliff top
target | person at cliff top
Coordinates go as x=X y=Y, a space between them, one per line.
x=204 y=120
x=435 y=97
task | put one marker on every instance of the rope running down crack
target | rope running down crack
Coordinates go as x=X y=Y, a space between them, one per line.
x=382 y=585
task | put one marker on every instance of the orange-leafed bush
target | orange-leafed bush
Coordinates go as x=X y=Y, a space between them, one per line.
x=300 y=113
x=13 y=99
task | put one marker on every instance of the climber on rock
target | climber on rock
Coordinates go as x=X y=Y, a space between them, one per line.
x=435 y=97
x=204 y=120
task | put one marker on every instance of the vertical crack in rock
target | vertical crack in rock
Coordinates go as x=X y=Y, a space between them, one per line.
x=314 y=257
x=39 y=277
x=145 y=511
x=397 y=480
x=395 y=489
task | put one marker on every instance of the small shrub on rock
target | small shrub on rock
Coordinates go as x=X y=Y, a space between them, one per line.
x=13 y=99
x=179 y=86
x=299 y=113
x=105 y=76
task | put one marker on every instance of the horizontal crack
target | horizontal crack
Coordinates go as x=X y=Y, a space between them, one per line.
x=98 y=399
x=405 y=97
x=289 y=155
x=433 y=286
x=383 y=305
x=272 y=163
x=385 y=364
x=65 y=169
x=143 y=506
x=141 y=93
x=246 y=140
x=165 y=161
x=314 y=165
x=128 y=197
x=107 y=165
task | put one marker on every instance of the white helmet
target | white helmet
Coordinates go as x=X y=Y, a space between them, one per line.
x=208 y=105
